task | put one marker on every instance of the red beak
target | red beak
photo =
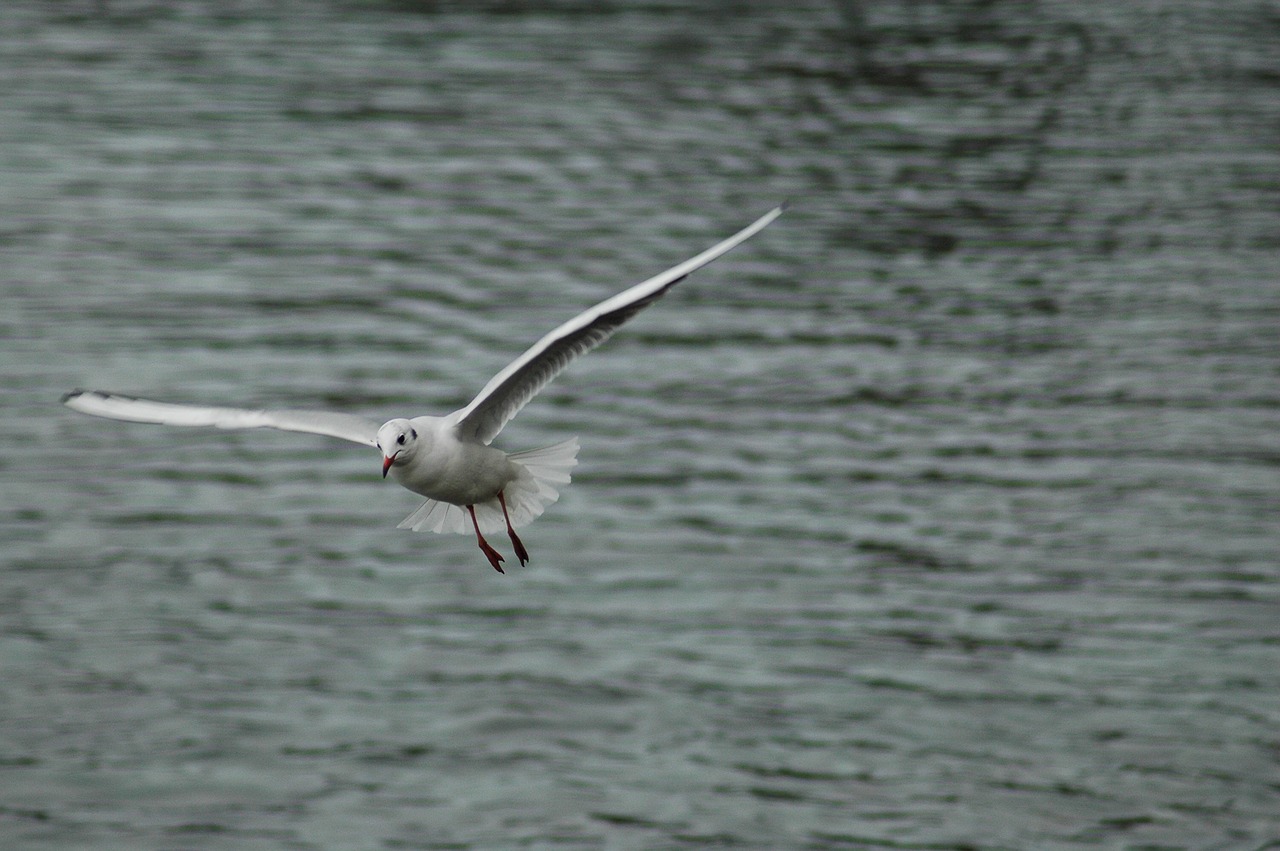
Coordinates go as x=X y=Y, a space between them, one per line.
x=387 y=461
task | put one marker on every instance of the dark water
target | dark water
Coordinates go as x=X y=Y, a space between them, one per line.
x=941 y=515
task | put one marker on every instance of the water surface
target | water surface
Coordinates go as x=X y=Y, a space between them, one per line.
x=940 y=515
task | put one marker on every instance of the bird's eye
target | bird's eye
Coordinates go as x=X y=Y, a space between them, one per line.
x=400 y=440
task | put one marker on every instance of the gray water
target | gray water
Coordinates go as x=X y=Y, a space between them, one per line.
x=941 y=515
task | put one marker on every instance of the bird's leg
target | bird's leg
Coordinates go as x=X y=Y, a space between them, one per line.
x=521 y=552
x=495 y=558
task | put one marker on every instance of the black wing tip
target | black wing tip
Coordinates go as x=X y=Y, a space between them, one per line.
x=78 y=392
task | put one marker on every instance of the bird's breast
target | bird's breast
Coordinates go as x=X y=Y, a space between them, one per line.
x=454 y=472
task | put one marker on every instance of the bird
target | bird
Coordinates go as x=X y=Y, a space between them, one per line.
x=449 y=460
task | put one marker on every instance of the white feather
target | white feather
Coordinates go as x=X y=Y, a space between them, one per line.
x=116 y=406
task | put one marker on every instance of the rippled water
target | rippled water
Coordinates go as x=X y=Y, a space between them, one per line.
x=940 y=515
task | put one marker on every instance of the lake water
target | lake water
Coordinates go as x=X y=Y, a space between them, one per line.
x=941 y=515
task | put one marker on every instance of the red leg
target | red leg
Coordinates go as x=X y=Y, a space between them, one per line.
x=495 y=558
x=521 y=552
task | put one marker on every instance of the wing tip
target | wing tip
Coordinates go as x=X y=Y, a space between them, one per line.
x=72 y=398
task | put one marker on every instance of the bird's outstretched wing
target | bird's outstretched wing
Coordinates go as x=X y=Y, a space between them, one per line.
x=115 y=406
x=513 y=387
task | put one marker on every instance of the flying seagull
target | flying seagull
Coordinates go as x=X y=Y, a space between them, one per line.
x=448 y=459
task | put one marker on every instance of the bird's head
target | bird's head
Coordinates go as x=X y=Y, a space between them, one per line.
x=398 y=441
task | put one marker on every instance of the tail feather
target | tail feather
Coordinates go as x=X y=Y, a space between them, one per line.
x=527 y=495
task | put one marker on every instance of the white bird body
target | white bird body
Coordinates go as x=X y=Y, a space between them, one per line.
x=453 y=473
x=448 y=459
x=461 y=472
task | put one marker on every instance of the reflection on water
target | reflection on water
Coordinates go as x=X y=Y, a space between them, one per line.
x=951 y=494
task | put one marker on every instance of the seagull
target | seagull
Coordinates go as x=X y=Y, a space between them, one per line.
x=448 y=459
